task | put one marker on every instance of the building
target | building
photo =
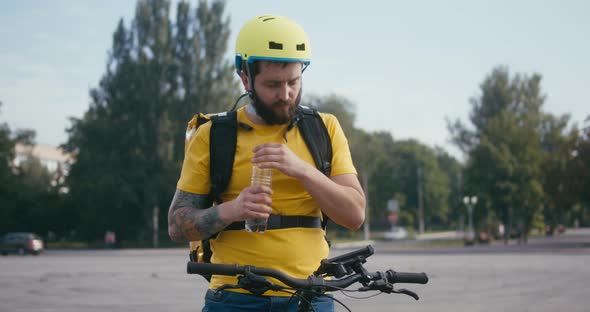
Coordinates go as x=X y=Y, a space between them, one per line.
x=55 y=160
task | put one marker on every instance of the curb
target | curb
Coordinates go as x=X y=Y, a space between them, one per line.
x=356 y=244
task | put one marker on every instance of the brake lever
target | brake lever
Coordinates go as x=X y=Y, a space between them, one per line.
x=387 y=288
x=226 y=286
x=256 y=284
x=406 y=292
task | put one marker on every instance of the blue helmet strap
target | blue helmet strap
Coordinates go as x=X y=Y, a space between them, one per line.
x=304 y=67
x=251 y=92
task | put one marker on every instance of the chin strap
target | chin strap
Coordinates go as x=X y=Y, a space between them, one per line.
x=238 y=100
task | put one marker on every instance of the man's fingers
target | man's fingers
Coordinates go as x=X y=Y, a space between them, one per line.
x=268 y=162
x=266 y=145
x=256 y=189
x=262 y=199
x=256 y=209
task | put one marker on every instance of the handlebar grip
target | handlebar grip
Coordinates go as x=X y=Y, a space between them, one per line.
x=405 y=277
x=209 y=268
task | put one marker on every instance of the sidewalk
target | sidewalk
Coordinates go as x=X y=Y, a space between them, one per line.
x=440 y=236
x=353 y=244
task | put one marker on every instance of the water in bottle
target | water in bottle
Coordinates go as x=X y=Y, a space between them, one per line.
x=260 y=176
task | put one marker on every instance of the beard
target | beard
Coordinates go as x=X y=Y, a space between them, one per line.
x=267 y=113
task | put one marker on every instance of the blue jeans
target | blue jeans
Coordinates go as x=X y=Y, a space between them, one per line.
x=232 y=301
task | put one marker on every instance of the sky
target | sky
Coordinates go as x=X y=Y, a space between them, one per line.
x=408 y=66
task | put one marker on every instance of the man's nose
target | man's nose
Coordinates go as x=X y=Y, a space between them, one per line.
x=285 y=92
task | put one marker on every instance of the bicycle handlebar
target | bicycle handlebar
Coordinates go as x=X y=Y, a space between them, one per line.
x=311 y=282
x=333 y=274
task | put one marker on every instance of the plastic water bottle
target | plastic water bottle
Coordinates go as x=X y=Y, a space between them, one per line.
x=260 y=176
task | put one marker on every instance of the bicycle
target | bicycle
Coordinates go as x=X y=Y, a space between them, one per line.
x=337 y=273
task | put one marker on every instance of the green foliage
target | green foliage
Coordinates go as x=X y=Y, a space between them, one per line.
x=577 y=176
x=452 y=168
x=7 y=187
x=6 y=154
x=579 y=167
x=129 y=145
x=336 y=105
x=416 y=165
x=558 y=146
x=392 y=167
x=517 y=153
x=28 y=199
x=34 y=175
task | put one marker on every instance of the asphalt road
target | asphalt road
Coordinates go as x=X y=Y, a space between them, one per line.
x=549 y=274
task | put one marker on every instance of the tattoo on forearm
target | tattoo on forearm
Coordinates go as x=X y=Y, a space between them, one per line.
x=190 y=218
x=186 y=199
x=210 y=222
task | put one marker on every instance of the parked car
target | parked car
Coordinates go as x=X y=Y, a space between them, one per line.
x=396 y=233
x=21 y=243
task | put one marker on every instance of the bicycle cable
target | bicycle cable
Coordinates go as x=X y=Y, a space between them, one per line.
x=296 y=294
x=344 y=292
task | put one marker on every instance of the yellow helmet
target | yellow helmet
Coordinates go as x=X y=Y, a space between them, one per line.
x=272 y=38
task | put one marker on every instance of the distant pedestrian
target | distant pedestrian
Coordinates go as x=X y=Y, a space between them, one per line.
x=110 y=239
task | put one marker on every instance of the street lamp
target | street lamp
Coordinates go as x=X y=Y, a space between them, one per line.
x=470 y=203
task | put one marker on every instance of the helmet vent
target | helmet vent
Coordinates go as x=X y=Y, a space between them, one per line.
x=275 y=45
x=268 y=19
x=300 y=47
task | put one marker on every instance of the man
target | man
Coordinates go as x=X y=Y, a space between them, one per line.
x=271 y=54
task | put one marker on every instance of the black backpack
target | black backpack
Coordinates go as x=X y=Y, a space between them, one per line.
x=222 y=146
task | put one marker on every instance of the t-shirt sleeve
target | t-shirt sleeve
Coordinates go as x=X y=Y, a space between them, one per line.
x=194 y=176
x=341 y=157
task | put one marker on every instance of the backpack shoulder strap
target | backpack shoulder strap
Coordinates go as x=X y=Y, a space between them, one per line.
x=316 y=138
x=222 y=147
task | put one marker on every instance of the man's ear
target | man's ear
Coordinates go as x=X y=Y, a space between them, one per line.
x=245 y=81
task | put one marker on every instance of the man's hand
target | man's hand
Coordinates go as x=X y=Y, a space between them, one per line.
x=253 y=202
x=340 y=197
x=279 y=156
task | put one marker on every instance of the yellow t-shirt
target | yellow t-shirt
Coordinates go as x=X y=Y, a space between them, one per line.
x=294 y=251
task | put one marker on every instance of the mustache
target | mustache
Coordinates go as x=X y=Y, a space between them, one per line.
x=280 y=103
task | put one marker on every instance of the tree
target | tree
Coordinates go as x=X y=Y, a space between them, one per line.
x=391 y=169
x=558 y=148
x=27 y=196
x=416 y=173
x=504 y=155
x=452 y=168
x=128 y=146
x=339 y=106
x=370 y=152
x=6 y=153
x=204 y=79
x=7 y=189
x=578 y=175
